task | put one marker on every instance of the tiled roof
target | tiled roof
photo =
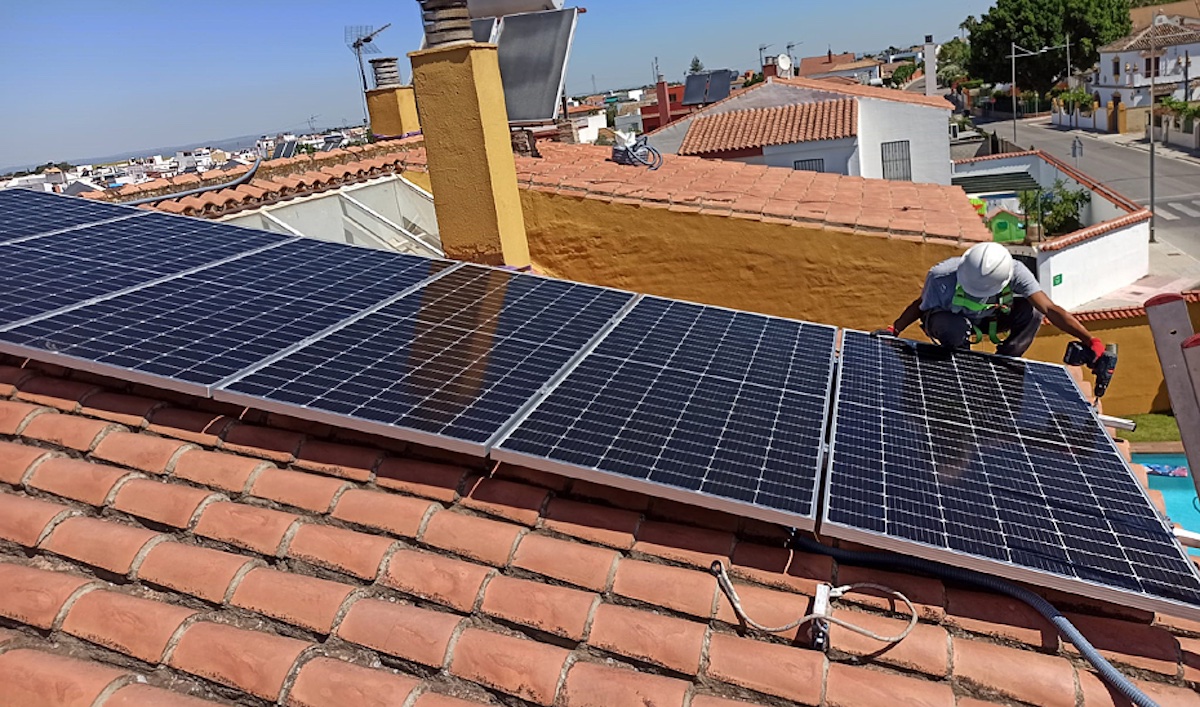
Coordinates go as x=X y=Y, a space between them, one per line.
x=885 y=94
x=1158 y=36
x=158 y=550
x=780 y=125
x=847 y=66
x=1120 y=313
x=825 y=62
x=688 y=184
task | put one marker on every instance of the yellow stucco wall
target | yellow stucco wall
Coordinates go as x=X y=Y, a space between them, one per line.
x=855 y=281
x=421 y=179
x=471 y=166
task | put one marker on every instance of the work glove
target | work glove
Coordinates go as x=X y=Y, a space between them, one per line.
x=888 y=330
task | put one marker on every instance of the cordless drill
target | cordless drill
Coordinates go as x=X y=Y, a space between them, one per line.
x=1102 y=367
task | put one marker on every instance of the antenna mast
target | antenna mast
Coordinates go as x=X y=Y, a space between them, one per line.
x=359 y=38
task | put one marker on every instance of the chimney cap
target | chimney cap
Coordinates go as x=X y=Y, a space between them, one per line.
x=929 y=39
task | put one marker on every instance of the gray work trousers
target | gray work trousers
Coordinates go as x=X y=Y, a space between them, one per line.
x=954 y=330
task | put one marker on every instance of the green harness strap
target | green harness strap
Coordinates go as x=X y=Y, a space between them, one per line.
x=1003 y=305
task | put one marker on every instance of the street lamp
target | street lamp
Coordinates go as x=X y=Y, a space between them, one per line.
x=1027 y=52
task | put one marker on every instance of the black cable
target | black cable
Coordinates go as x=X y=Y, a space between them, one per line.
x=1111 y=675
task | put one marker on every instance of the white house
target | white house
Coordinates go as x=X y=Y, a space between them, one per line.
x=1127 y=71
x=821 y=126
x=588 y=120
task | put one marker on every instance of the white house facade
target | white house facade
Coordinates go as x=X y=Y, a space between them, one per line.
x=1130 y=73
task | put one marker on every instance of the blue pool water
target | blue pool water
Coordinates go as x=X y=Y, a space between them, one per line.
x=1178 y=491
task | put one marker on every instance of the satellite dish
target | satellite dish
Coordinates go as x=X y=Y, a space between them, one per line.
x=784 y=62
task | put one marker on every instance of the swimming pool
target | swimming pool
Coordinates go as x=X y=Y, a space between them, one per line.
x=1177 y=491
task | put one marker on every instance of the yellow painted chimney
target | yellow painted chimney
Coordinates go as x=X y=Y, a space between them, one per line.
x=392 y=107
x=465 y=125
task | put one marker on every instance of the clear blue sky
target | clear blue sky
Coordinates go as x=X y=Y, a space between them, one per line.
x=96 y=77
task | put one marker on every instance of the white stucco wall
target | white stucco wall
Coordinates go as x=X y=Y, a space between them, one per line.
x=588 y=126
x=841 y=156
x=1094 y=268
x=881 y=121
x=1134 y=84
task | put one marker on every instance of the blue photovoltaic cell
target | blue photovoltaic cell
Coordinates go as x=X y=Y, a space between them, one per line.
x=45 y=274
x=24 y=213
x=455 y=359
x=998 y=459
x=726 y=406
x=203 y=327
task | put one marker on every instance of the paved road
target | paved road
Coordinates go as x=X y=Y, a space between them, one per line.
x=1127 y=170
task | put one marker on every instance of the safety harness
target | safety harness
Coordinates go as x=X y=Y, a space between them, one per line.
x=1003 y=305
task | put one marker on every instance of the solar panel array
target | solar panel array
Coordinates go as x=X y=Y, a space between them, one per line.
x=199 y=328
x=723 y=409
x=449 y=363
x=990 y=463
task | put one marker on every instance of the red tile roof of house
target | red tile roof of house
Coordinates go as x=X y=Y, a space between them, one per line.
x=161 y=550
x=885 y=94
x=1119 y=313
x=780 y=125
x=825 y=62
x=689 y=184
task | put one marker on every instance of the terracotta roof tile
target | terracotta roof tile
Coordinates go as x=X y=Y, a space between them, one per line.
x=251 y=661
x=595 y=685
x=325 y=682
x=529 y=586
x=142 y=628
x=1127 y=312
x=29 y=677
x=781 y=125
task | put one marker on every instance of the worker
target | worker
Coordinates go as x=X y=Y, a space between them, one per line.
x=985 y=294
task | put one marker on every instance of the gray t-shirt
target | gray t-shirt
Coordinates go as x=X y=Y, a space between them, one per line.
x=942 y=280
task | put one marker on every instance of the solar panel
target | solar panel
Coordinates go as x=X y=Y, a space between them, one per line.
x=25 y=213
x=995 y=464
x=45 y=274
x=483 y=29
x=705 y=405
x=694 y=89
x=532 y=51
x=278 y=151
x=718 y=85
x=193 y=331
x=448 y=364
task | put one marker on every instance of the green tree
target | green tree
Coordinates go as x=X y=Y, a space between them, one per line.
x=1034 y=24
x=903 y=73
x=697 y=66
x=953 y=58
x=756 y=78
x=1057 y=209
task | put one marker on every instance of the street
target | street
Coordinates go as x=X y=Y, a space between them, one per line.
x=1127 y=171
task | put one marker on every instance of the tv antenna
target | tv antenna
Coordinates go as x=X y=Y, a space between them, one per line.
x=311 y=122
x=360 y=40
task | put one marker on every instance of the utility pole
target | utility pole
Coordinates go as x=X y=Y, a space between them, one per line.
x=1068 y=61
x=1150 y=127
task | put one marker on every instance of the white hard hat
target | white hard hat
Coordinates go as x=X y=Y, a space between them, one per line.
x=985 y=270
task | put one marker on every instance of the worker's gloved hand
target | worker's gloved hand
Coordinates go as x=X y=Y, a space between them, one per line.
x=1097 y=348
x=888 y=330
